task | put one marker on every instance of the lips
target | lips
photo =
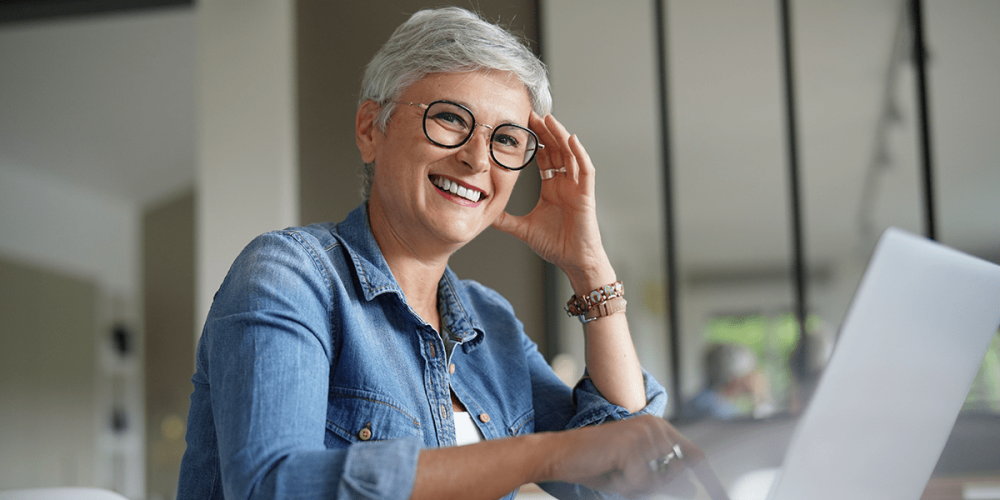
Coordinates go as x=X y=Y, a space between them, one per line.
x=452 y=187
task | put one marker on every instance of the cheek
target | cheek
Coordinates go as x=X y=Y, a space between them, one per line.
x=504 y=182
x=394 y=166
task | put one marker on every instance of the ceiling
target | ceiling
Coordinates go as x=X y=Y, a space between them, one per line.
x=103 y=102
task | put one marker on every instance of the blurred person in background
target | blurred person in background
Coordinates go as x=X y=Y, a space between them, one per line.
x=734 y=386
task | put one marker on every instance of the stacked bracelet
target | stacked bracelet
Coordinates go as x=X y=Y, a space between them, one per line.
x=604 y=301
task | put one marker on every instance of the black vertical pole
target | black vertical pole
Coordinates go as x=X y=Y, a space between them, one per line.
x=920 y=63
x=553 y=305
x=673 y=330
x=798 y=252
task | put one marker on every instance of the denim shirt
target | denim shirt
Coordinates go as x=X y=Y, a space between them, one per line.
x=315 y=379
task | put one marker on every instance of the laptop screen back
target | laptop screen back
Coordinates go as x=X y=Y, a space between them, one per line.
x=908 y=351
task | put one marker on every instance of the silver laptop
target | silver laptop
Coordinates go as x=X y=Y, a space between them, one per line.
x=909 y=348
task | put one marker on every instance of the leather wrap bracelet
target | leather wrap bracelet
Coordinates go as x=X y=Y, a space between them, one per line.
x=611 y=306
x=604 y=301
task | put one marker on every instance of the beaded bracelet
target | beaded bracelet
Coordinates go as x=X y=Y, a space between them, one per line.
x=580 y=306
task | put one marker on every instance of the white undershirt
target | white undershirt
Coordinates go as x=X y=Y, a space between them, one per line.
x=466 y=431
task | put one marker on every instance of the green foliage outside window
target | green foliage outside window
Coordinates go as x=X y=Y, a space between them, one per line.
x=773 y=339
x=985 y=392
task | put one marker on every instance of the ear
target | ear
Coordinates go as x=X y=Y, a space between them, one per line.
x=366 y=132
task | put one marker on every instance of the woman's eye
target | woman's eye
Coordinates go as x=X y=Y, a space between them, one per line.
x=506 y=140
x=451 y=119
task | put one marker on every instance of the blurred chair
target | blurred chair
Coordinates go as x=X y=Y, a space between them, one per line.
x=68 y=493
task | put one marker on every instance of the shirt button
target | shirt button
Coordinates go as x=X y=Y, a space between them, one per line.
x=444 y=412
x=451 y=368
x=484 y=418
x=365 y=434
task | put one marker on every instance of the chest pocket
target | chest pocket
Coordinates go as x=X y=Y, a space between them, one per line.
x=525 y=424
x=356 y=416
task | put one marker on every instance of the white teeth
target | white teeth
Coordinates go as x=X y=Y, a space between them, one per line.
x=453 y=187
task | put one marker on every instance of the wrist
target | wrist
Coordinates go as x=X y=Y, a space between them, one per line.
x=584 y=280
x=598 y=303
x=545 y=448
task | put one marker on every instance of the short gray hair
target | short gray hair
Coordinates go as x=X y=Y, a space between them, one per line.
x=447 y=40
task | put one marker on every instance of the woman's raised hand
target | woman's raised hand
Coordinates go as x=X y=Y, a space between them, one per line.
x=562 y=228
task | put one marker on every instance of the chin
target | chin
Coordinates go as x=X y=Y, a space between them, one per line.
x=461 y=234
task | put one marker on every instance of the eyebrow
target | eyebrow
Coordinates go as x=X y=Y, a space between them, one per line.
x=474 y=113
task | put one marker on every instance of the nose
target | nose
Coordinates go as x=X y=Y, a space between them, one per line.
x=476 y=151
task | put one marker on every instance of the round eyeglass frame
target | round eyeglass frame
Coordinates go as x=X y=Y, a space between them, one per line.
x=472 y=130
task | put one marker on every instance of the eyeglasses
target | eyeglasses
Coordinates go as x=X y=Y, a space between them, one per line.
x=450 y=125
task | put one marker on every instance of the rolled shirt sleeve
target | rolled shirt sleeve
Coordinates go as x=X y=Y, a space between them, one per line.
x=592 y=408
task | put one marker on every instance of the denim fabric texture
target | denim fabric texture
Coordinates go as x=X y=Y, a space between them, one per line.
x=315 y=379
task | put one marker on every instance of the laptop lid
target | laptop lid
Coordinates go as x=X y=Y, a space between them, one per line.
x=909 y=348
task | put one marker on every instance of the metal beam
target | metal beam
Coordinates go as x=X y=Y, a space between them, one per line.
x=673 y=326
x=795 y=197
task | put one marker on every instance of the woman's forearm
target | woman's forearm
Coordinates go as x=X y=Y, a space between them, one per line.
x=610 y=355
x=487 y=470
x=612 y=362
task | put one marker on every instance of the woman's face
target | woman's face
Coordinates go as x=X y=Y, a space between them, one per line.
x=409 y=169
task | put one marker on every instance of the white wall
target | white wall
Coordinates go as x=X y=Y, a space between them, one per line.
x=49 y=224
x=246 y=162
x=53 y=224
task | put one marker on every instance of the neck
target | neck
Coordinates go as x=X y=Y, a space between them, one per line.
x=417 y=268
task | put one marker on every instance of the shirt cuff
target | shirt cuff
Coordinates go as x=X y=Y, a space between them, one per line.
x=593 y=409
x=385 y=469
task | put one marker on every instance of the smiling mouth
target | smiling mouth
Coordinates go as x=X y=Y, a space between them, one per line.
x=452 y=187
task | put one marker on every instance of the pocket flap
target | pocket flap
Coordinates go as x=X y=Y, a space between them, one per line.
x=358 y=416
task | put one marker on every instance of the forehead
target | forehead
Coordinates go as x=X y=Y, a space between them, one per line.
x=494 y=96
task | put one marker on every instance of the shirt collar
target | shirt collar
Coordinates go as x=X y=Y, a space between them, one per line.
x=376 y=278
x=372 y=270
x=456 y=319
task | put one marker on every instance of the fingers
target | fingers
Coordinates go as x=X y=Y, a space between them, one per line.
x=692 y=454
x=674 y=455
x=544 y=156
x=615 y=457
x=563 y=153
x=587 y=171
x=648 y=468
x=562 y=149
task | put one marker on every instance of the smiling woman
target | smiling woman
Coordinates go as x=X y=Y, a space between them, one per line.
x=348 y=360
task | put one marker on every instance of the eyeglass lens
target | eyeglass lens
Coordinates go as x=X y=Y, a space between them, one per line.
x=450 y=125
